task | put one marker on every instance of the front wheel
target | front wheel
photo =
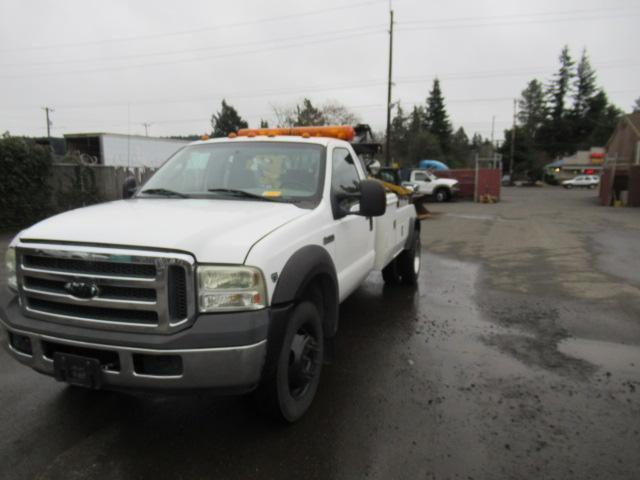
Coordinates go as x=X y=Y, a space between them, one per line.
x=442 y=195
x=288 y=392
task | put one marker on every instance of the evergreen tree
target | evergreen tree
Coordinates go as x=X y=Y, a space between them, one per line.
x=585 y=86
x=557 y=132
x=226 y=121
x=423 y=145
x=476 y=141
x=532 y=110
x=581 y=119
x=436 y=117
x=459 y=153
x=561 y=84
x=416 y=120
x=264 y=123
x=399 y=136
x=636 y=106
x=307 y=115
x=602 y=120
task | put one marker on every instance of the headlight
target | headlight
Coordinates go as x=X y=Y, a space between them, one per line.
x=10 y=266
x=230 y=288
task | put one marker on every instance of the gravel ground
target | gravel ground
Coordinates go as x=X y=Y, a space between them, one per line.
x=518 y=356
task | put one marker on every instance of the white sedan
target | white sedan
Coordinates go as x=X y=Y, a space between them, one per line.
x=584 y=181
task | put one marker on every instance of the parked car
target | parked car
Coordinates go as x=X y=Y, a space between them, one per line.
x=441 y=189
x=225 y=271
x=582 y=181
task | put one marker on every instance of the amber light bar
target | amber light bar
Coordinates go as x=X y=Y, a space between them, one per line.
x=342 y=132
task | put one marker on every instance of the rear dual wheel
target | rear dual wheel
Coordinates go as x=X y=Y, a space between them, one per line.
x=405 y=267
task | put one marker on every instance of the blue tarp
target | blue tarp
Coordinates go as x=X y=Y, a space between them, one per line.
x=432 y=165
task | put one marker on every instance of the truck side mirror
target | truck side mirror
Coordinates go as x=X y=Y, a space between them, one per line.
x=373 y=199
x=129 y=187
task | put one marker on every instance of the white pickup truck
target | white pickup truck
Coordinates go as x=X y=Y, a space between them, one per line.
x=441 y=189
x=224 y=271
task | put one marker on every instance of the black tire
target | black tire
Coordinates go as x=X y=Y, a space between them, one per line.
x=410 y=261
x=442 y=195
x=288 y=392
x=390 y=273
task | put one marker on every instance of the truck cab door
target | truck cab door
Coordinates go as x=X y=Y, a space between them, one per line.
x=423 y=181
x=354 y=235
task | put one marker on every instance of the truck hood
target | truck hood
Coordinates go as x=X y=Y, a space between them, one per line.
x=450 y=182
x=213 y=230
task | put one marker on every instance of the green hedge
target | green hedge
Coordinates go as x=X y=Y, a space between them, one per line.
x=25 y=195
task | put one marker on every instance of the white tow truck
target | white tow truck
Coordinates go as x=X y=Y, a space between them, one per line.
x=224 y=271
x=441 y=189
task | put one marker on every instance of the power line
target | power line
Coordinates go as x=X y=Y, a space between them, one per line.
x=514 y=23
x=361 y=29
x=506 y=73
x=302 y=89
x=192 y=60
x=194 y=30
x=515 y=16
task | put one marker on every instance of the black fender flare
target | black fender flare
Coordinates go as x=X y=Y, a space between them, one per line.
x=310 y=263
x=414 y=228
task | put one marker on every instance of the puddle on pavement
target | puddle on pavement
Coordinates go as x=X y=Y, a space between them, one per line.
x=614 y=357
x=617 y=255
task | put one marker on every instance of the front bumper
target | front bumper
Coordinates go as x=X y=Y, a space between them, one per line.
x=215 y=353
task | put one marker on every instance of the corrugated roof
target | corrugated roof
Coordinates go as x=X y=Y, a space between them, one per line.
x=634 y=122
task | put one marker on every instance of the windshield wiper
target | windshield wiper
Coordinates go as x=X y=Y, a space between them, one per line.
x=164 y=192
x=241 y=193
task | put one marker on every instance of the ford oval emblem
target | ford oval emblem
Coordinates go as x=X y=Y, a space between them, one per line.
x=84 y=290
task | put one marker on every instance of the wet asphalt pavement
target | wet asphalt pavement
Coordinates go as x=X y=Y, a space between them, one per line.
x=518 y=356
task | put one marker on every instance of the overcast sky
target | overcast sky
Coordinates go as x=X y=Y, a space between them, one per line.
x=111 y=66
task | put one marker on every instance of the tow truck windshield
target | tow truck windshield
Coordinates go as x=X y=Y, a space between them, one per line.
x=243 y=171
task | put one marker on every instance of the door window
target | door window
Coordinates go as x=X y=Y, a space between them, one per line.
x=421 y=177
x=345 y=180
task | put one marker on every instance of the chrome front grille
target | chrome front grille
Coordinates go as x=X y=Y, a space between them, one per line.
x=129 y=290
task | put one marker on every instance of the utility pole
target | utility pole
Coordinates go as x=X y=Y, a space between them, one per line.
x=388 y=143
x=48 y=110
x=513 y=143
x=493 y=126
x=146 y=128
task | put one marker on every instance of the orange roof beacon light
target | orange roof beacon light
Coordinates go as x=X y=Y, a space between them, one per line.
x=232 y=135
x=342 y=132
x=204 y=136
